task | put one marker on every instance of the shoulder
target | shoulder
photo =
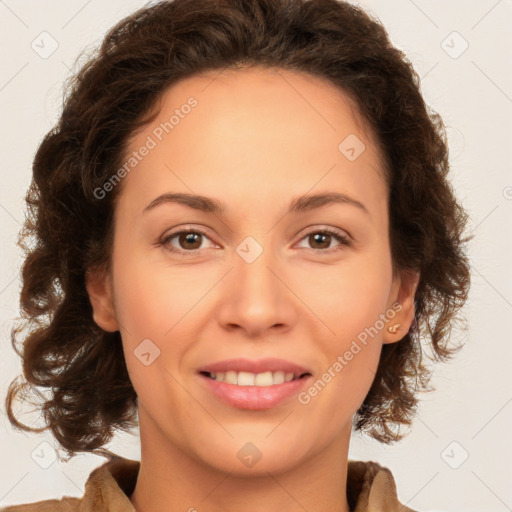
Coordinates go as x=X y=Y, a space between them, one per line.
x=65 y=504
x=371 y=486
x=112 y=482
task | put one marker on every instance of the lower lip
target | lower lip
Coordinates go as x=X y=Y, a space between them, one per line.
x=254 y=397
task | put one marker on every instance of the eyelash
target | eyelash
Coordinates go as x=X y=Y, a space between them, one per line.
x=344 y=241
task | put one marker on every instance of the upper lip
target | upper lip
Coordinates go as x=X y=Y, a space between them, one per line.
x=254 y=366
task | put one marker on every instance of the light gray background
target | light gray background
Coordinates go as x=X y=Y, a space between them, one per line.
x=471 y=409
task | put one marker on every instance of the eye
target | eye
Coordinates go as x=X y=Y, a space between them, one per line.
x=324 y=237
x=189 y=241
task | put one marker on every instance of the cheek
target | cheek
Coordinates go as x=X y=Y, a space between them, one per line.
x=351 y=304
x=352 y=299
x=149 y=302
x=151 y=312
x=157 y=312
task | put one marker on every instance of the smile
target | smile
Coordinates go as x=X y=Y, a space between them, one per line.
x=254 y=379
x=249 y=395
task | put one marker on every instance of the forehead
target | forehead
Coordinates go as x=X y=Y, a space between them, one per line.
x=258 y=129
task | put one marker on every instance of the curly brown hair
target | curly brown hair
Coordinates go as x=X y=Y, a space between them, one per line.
x=81 y=366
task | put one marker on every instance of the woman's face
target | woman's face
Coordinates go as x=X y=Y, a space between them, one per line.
x=255 y=280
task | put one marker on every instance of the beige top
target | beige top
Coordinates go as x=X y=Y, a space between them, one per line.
x=370 y=488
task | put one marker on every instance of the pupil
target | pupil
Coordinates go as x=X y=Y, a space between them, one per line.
x=188 y=238
x=320 y=236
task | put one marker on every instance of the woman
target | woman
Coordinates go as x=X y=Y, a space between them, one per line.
x=245 y=234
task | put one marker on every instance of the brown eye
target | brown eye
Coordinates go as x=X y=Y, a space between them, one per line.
x=187 y=242
x=321 y=240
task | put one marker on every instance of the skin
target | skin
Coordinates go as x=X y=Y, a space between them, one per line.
x=257 y=139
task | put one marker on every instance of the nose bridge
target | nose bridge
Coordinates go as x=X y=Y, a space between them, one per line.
x=254 y=261
x=256 y=299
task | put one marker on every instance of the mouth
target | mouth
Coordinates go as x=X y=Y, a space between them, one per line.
x=254 y=385
x=263 y=379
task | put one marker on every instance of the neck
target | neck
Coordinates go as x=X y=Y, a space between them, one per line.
x=170 y=479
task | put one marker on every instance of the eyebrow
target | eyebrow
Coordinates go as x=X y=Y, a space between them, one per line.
x=300 y=204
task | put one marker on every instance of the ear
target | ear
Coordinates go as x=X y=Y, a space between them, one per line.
x=401 y=300
x=98 y=285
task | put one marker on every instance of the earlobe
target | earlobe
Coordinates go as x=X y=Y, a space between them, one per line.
x=404 y=292
x=99 y=290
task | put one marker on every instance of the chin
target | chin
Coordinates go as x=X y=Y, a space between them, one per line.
x=248 y=455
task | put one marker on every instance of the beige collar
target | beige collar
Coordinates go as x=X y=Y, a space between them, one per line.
x=370 y=488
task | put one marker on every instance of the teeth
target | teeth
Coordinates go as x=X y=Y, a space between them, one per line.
x=262 y=379
x=230 y=378
x=279 y=377
x=246 y=379
x=253 y=379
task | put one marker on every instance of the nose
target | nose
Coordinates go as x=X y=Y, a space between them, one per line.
x=255 y=297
